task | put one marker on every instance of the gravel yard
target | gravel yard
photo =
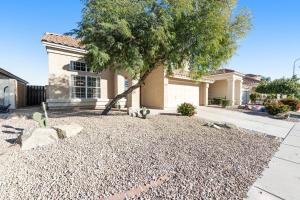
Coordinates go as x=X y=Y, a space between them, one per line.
x=178 y=156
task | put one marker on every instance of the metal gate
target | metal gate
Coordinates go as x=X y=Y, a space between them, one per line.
x=35 y=95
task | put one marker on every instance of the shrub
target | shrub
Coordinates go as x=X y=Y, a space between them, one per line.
x=225 y=103
x=254 y=97
x=218 y=100
x=275 y=108
x=186 y=109
x=292 y=103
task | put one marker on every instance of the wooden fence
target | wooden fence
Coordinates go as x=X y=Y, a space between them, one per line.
x=35 y=95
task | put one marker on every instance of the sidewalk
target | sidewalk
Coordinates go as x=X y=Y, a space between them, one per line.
x=282 y=179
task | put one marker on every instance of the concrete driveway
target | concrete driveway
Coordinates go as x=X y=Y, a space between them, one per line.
x=281 y=180
x=263 y=124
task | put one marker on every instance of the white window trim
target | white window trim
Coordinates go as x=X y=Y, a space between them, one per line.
x=71 y=82
x=71 y=66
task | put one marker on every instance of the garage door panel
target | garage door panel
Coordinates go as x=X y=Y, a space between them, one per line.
x=178 y=93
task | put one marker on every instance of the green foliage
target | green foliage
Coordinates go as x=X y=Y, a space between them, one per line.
x=136 y=36
x=186 y=109
x=38 y=117
x=292 y=103
x=144 y=112
x=288 y=86
x=218 y=100
x=225 y=103
x=254 y=97
x=274 y=108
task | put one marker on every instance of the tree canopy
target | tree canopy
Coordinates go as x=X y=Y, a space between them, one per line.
x=136 y=36
x=286 y=86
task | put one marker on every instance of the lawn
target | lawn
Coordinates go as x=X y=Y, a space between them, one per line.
x=163 y=157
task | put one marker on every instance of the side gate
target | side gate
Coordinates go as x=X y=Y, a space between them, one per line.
x=35 y=95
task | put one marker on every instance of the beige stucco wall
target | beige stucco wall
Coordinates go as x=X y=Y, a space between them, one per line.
x=153 y=90
x=59 y=80
x=218 y=89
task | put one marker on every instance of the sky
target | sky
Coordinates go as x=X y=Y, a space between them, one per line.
x=269 y=49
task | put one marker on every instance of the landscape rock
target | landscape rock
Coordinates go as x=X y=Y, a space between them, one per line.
x=66 y=131
x=37 y=138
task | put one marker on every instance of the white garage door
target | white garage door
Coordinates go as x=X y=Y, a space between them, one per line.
x=179 y=93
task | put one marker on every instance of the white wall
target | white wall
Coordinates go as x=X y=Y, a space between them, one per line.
x=9 y=97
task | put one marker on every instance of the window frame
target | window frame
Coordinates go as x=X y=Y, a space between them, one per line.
x=72 y=66
x=86 y=87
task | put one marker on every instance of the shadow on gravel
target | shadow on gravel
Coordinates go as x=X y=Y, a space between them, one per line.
x=170 y=114
x=83 y=113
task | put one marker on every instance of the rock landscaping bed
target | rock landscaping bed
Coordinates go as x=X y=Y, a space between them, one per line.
x=161 y=157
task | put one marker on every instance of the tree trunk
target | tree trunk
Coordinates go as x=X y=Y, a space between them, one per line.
x=127 y=92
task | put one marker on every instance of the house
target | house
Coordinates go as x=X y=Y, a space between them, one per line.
x=12 y=90
x=71 y=82
x=244 y=84
x=250 y=82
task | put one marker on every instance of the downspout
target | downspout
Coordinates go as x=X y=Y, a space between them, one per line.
x=4 y=94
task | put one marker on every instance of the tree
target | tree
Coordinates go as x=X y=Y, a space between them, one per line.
x=137 y=36
x=285 y=86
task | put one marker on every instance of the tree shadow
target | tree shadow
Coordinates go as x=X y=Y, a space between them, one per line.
x=12 y=131
x=83 y=113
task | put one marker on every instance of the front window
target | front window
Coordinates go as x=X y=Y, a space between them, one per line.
x=126 y=84
x=85 y=87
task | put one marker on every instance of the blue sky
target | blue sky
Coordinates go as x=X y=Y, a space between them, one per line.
x=269 y=49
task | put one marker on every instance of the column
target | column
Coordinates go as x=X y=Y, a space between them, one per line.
x=133 y=99
x=204 y=94
x=119 y=83
x=230 y=91
x=239 y=93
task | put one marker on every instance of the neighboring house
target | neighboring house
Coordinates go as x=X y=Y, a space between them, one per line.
x=71 y=82
x=12 y=90
x=227 y=84
x=250 y=82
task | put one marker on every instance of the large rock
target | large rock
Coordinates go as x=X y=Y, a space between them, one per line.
x=65 y=131
x=37 y=138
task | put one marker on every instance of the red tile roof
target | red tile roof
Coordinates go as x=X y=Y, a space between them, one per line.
x=222 y=71
x=62 y=40
x=250 y=81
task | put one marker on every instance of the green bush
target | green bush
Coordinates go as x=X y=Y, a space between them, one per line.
x=225 y=103
x=218 y=100
x=292 y=103
x=186 y=109
x=275 y=108
x=254 y=97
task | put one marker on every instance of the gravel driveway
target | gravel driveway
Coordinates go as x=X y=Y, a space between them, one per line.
x=115 y=154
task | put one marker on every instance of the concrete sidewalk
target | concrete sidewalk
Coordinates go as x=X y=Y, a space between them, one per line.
x=281 y=180
x=263 y=124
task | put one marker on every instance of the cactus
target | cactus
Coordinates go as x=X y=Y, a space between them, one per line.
x=38 y=117
x=144 y=112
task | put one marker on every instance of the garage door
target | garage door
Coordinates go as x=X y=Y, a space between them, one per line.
x=180 y=93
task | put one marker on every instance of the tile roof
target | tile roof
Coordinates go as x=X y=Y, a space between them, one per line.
x=249 y=81
x=62 y=40
x=222 y=71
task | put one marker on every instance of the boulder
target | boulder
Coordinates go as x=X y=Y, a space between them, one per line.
x=66 y=131
x=37 y=138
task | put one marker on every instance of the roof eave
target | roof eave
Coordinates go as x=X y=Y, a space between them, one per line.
x=64 y=47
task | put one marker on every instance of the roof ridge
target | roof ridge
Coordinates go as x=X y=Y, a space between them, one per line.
x=62 y=35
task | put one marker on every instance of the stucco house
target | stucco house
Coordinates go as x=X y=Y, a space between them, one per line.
x=71 y=82
x=12 y=90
